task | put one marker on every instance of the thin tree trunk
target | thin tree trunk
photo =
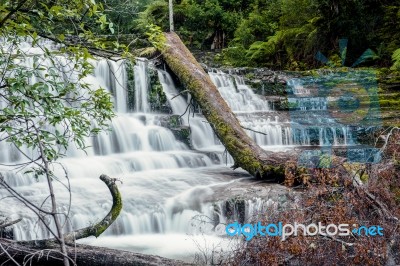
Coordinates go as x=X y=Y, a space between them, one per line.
x=54 y=214
x=171 y=15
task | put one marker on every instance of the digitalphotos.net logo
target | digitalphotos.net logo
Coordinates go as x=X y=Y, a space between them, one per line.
x=333 y=109
x=286 y=230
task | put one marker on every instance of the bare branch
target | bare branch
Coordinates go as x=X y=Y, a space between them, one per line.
x=9 y=256
x=97 y=229
x=255 y=131
x=184 y=91
x=10 y=223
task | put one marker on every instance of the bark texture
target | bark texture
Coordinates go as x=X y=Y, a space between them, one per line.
x=97 y=229
x=46 y=255
x=245 y=152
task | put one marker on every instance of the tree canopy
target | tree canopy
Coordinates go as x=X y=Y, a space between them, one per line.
x=285 y=34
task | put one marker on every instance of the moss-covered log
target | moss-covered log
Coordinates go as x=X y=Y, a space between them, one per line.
x=245 y=152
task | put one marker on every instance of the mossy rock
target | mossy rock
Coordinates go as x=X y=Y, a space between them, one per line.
x=130 y=84
x=174 y=123
x=389 y=80
x=182 y=134
x=157 y=98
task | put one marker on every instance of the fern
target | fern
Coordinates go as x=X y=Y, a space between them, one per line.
x=396 y=60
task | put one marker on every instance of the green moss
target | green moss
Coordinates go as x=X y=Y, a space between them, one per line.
x=243 y=156
x=364 y=177
x=130 y=84
x=116 y=208
x=389 y=104
x=117 y=203
x=250 y=75
x=157 y=97
x=174 y=121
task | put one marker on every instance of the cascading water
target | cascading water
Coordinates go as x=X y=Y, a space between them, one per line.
x=141 y=86
x=255 y=114
x=167 y=187
x=311 y=120
x=239 y=96
x=202 y=135
x=165 y=184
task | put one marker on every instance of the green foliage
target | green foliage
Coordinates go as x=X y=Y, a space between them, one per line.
x=47 y=104
x=52 y=111
x=234 y=56
x=155 y=36
x=124 y=15
x=284 y=33
x=196 y=22
x=278 y=33
x=157 y=97
x=155 y=14
x=396 y=60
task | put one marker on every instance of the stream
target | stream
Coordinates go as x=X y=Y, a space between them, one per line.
x=176 y=197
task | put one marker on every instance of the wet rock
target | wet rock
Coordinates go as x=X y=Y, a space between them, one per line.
x=180 y=131
x=246 y=199
x=7 y=233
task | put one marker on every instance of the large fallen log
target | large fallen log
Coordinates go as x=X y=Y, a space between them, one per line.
x=82 y=254
x=245 y=152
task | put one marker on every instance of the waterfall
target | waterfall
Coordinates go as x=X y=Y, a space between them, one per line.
x=311 y=121
x=237 y=94
x=202 y=135
x=141 y=86
x=267 y=131
x=135 y=144
x=168 y=188
x=162 y=193
x=112 y=75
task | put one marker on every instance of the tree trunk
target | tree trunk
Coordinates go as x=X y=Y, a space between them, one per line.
x=45 y=255
x=245 y=152
x=171 y=15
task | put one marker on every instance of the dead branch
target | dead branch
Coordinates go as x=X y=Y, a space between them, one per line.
x=97 y=229
x=3 y=225
x=184 y=91
x=255 y=131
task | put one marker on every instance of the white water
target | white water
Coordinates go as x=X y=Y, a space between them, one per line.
x=237 y=94
x=166 y=186
x=310 y=118
x=141 y=86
